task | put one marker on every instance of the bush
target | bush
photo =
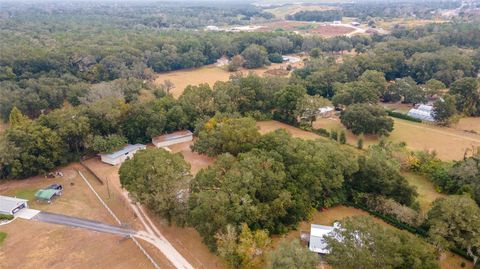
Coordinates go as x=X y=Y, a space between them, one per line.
x=322 y=132
x=334 y=135
x=402 y=116
x=6 y=217
x=275 y=58
x=360 y=143
x=343 y=137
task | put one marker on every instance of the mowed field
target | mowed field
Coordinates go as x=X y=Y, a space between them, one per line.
x=406 y=22
x=281 y=12
x=448 y=143
x=313 y=28
x=32 y=244
x=208 y=74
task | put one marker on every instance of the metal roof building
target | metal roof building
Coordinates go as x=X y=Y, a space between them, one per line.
x=173 y=138
x=422 y=112
x=317 y=232
x=11 y=205
x=120 y=156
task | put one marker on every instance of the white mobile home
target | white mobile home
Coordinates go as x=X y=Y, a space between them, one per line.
x=120 y=156
x=11 y=205
x=422 y=112
x=173 y=138
x=317 y=243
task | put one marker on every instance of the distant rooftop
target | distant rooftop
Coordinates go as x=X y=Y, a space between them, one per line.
x=125 y=150
x=172 y=136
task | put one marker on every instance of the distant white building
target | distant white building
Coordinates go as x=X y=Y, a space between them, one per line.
x=337 y=22
x=11 y=205
x=317 y=242
x=120 y=156
x=422 y=112
x=355 y=23
x=173 y=138
x=291 y=59
x=326 y=111
x=212 y=28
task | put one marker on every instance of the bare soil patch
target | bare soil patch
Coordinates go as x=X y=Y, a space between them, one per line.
x=196 y=161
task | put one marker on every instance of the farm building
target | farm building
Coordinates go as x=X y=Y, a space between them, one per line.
x=11 y=205
x=120 y=156
x=317 y=232
x=422 y=112
x=173 y=138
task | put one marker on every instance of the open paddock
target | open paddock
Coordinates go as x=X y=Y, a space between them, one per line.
x=282 y=11
x=448 y=143
x=211 y=73
x=314 y=28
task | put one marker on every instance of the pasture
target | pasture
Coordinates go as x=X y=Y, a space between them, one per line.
x=282 y=11
x=448 y=143
x=209 y=74
x=313 y=28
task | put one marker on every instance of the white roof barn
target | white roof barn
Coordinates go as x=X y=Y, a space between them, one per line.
x=120 y=156
x=11 y=205
x=422 y=112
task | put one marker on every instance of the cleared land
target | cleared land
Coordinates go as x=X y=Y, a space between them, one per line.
x=209 y=74
x=271 y=125
x=449 y=143
x=54 y=246
x=406 y=22
x=281 y=12
x=313 y=28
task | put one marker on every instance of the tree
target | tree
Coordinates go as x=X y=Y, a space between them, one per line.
x=407 y=89
x=378 y=175
x=236 y=62
x=290 y=254
x=255 y=56
x=108 y=144
x=434 y=86
x=376 y=79
x=197 y=102
x=342 y=138
x=40 y=150
x=455 y=221
x=159 y=180
x=366 y=119
x=307 y=108
x=372 y=245
x=467 y=95
x=224 y=134
x=444 y=110
x=16 y=117
x=286 y=102
x=355 y=92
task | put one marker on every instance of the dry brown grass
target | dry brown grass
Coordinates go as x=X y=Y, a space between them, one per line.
x=281 y=12
x=209 y=74
x=303 y=27
x=271 y=125
x=449 y=143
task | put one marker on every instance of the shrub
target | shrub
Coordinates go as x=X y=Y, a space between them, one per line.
x=334 y=135
x=360 y=143
x=343 y=137
x=275 y=58
x=402 y=116
x=6 y=217
x=322 y=132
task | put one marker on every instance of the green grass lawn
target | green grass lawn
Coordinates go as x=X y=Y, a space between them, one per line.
x=3 y=235
x=425 y=188
x=28 y=194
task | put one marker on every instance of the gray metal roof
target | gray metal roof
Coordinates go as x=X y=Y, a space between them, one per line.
x=7 y=204
x=317 y=243
x=125 y=150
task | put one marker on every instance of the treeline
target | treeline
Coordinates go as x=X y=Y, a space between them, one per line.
x=316 y=15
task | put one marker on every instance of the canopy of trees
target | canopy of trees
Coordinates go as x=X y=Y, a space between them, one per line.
x=367 y=119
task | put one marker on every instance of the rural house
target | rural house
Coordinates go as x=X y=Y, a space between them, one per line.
x=172 y=139
x=120 y=156
x=11 y=205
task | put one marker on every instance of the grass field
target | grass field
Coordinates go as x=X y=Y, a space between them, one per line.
x=206 y=74
x=3 y=236
x=281 y=12
x=406 y=22
x=449 y=143
x=426 y=190
x=313 y=28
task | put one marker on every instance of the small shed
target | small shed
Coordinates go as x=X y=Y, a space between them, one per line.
x=11 y=205
x=173 y=138
x=317 y=242
x=120 y=156
x=326 y=111
x=47 y=194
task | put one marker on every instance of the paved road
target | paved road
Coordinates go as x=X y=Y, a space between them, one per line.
x=83 y=223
